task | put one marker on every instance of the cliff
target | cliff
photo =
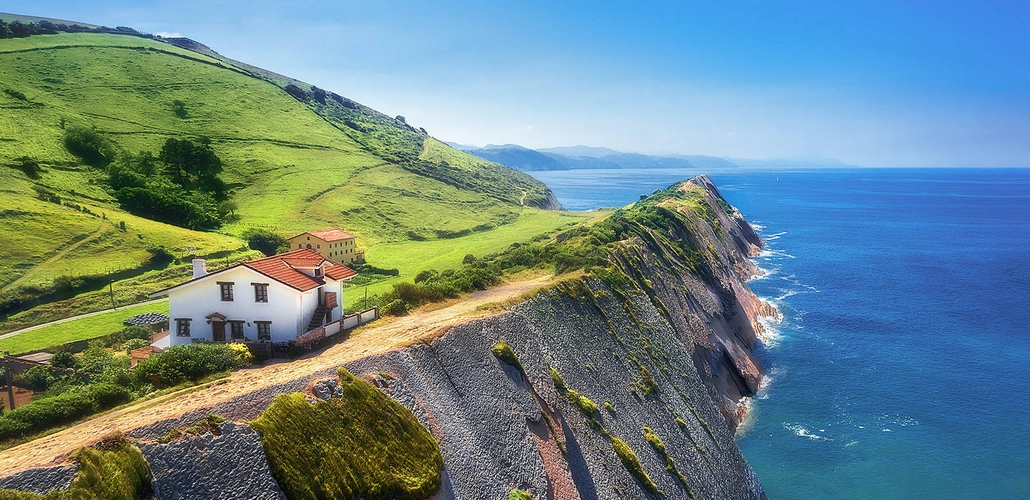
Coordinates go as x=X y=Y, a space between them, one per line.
x=623 y=381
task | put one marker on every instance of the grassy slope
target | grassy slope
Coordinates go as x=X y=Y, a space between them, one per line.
x=294 y=167
x=80 y=329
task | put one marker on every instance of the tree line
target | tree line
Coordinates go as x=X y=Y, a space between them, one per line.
x=179 y=185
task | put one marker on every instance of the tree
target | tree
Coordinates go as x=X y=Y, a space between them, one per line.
x=193 y=164
x=88 y=144
x=264 y=240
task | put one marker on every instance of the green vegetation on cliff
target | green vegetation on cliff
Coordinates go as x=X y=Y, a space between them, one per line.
x=116 y=472
x=360 y=445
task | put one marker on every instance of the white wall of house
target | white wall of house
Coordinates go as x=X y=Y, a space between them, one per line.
x=203 y=297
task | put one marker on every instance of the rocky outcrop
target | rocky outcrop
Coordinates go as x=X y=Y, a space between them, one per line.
x=40 y=481
x=228 y=466
x=696 y=274
x=500 y=428
x=551 y=202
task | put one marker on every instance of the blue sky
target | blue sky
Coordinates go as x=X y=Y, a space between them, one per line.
x=876 y=83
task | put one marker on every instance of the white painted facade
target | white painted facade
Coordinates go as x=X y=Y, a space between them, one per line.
x=288 y=310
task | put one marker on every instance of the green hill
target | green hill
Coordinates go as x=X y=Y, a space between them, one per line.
x=294 y=158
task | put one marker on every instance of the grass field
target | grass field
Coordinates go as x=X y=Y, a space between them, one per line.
x=79 y=329
x=292 y=165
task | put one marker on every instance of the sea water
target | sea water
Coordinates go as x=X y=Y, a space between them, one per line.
x=901 y=366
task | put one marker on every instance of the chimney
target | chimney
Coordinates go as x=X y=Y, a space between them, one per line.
x=199 y=268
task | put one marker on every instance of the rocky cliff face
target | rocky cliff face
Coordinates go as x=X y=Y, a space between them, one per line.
x=670 y=350
x=626 y=384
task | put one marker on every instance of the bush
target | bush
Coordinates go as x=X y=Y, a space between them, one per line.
x=395 y=308
x=502 y=351
x=28 y=166
x=241 y=350
x=89 y=145
x=369 y=446
x=39 y=378
x=519 y=495
x=132 y=344
x=183 y=363
x=43 y=414
x=64 y=359
x=632 y=464
x=585 y=405
x=263 y=240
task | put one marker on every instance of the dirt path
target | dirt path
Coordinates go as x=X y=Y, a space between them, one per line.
x=64 y=251
x=374 y=339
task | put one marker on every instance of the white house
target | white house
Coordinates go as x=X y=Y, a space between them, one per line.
x=273 y=299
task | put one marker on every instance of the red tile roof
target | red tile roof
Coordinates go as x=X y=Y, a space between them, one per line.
x=338 y=272
x=330 y=234
x=278 y=268
x=281 y=268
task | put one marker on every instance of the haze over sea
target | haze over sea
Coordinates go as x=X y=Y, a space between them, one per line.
x=900 y=367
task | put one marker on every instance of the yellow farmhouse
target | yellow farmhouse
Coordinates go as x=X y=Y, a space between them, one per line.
x=333 y=244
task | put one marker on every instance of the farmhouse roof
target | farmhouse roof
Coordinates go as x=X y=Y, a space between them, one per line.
x=282 y=268
x=330 y=234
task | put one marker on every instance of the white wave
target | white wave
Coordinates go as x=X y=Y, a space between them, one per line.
x=800 y=431
x=756 y=226
x=771 y=335
x=767 y=383
x=788 y=293
x=849 y=444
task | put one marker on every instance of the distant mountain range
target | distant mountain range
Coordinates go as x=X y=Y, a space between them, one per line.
x=588 y=157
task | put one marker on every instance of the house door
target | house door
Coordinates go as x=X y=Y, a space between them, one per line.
x=218 y=331
x=321 y=296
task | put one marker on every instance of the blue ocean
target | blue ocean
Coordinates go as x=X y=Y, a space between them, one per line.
x=900 y=368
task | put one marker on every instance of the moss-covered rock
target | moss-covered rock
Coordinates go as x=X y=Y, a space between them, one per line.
x=360 y=445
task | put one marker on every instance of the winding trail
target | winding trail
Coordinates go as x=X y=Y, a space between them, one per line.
x=61 y=253
x=376 y=338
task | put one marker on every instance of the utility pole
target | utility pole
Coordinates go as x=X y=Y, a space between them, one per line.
x=366 y=298
x=10 y=383
x=111 y=288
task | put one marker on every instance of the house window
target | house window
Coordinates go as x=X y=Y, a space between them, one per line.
x=182 y=327
x=264 y=330
x=260 y=292
x=236 y=329
x=226 y=287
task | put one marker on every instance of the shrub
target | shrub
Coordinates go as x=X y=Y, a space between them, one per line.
x=64 y=359
x=39 y=378
x=559 y=383
x=296 y=92
x=395 y=308
x=183 y=363
x=28 y=166
x=659 y=447
x=263 y=240
x=179 y=108
x=519 y=495
x=503 y=352
x=89 y=145
x=585 y=405
x=632 y=464
x=241 y=350
x=369 y=446
x=132 y=344
x=43 y=414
